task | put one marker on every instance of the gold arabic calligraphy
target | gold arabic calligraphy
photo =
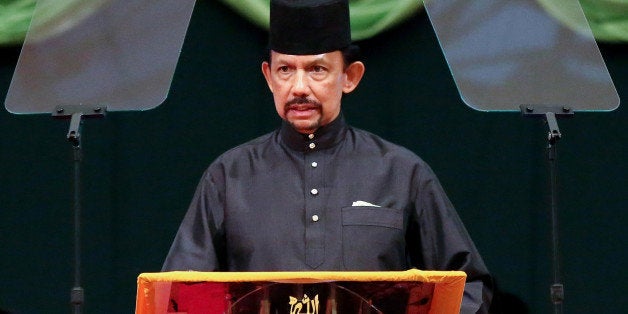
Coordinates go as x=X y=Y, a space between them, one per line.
x=309 y=305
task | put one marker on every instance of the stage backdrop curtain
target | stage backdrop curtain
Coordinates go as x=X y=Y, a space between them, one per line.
x=608 y=18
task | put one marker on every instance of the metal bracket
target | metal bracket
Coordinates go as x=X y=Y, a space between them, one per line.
x=76 y=113
x=549 y=113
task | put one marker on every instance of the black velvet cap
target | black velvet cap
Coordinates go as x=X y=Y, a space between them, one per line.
x=308 y=27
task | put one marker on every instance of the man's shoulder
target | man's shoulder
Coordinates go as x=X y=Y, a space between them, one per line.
x=252 y=146
x=399 y=158
x=255 y=143
x=366 y=140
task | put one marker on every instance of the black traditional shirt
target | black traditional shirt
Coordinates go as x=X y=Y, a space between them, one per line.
x=338 y=199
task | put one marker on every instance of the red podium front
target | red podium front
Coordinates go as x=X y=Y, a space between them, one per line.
x=405 y=292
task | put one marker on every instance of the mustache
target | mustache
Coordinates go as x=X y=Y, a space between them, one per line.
x=302 y=101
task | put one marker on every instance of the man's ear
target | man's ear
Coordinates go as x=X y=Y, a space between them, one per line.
x=266 y=72
x=354 y=73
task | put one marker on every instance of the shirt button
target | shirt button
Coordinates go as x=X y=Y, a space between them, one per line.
x=314 y=164
x=312 y=145
x=314 y=218
x=311 y=136
x=314 y=191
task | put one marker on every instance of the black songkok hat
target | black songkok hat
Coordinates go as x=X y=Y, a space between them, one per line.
x=308 y=27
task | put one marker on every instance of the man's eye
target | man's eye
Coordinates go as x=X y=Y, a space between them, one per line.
x=283 y=69
x=318 y=68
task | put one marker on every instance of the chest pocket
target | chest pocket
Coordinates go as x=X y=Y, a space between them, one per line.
x=373 y=238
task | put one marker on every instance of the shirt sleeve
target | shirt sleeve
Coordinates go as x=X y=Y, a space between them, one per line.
x=200 y=239
x=444 y=244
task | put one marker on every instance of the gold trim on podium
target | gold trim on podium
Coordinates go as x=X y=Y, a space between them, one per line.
x=153 y=289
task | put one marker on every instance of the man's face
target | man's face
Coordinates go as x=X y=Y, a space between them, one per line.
x=307 y=88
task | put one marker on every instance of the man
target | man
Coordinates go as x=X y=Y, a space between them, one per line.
x=317 y=194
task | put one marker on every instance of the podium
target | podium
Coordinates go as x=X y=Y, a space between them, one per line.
x=412 y=292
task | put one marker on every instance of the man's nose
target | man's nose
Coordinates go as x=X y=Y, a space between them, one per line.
x=300 y=86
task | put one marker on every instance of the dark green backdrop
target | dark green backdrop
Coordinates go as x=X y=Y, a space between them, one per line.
x=141 y=168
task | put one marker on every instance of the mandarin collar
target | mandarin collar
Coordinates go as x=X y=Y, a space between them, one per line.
x=325 y=137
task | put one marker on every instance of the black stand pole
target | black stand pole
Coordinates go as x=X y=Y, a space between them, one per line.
x=557 y=292
x=77 y=294
x=76 y=113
